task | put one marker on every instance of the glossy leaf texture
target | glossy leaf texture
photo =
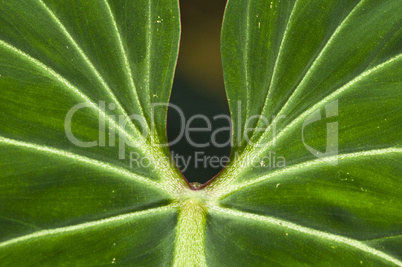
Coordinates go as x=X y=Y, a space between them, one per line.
x=72 y=73
x=314 y=89
x=315 y=177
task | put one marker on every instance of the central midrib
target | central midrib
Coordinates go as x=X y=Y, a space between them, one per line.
x=190 y=230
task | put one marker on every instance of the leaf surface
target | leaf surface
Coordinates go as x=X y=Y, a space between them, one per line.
x=314 y=177
x=81 y=195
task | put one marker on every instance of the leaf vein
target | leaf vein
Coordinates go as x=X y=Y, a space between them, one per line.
x=335 y=94
x=67 y=154
x=126 y=62
x=91 y=66
x=275 y=68
x=66 y=83
x=309 y=231
x=82 y=226
x=231 y=189
x=323 y=50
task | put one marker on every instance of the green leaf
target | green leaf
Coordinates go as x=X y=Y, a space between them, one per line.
x=314 y=177
x=322 y=181
x=86 y=202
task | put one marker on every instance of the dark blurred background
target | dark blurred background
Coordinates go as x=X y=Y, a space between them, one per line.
x=198 y=89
